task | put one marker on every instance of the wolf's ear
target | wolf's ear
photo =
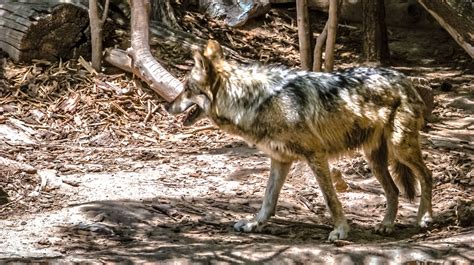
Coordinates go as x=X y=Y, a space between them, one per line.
x=213 y=51
x=200 y=71
x=200 y=61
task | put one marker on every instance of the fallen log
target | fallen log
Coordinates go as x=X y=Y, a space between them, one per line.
x=457 y=18
x=44 y=29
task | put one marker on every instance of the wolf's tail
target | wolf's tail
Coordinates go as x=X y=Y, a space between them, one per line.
x=404 y=179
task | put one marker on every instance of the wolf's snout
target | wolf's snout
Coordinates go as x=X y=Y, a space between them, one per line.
x=169 y=108
x=174 y=107
x=178 y=106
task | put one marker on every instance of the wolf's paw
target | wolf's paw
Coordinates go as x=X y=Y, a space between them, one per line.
x=425 y=221
x=384 y=228
x=339 y=233
x=247 y=226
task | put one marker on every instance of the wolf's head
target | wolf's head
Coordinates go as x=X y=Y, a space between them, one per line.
x=201 y=85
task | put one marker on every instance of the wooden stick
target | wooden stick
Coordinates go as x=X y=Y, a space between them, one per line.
x=203 y=128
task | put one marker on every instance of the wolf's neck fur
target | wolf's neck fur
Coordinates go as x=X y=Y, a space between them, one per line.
x=244 y=88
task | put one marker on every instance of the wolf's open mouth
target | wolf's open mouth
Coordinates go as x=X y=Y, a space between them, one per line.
x=193 y=115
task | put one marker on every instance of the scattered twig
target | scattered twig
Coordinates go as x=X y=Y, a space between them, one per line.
x=120 y=109
x=87 y=66
x=203 y=128
x=150 y=112
x=21 y=125
x=9 y=163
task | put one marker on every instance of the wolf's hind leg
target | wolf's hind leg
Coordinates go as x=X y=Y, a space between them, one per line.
x=320 y=169
x=278 y=173
x=378 y=161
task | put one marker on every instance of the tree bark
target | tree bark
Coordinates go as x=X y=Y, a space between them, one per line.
x=304 y=34
x=97 y=24
x=318 y=49
x=44 y=29
x=375 y=44
x=321 y=40
x=141 y=61
x=457 y=17
x=331 y=38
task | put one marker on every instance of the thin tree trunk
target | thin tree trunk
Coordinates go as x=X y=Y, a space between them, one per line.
x=331 y=38
x=321 y=40
x=375 y=44
x=97 y=25
x=318 y=49
x=304 y=34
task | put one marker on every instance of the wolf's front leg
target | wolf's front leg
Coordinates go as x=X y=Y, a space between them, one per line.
x=320 y=168
x=278 y=173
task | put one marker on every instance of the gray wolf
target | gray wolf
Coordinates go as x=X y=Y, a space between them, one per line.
x=296 y=115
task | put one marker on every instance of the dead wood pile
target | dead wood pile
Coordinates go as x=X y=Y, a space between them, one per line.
x=44 y=29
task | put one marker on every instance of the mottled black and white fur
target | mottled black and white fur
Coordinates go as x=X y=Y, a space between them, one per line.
x=297 y=115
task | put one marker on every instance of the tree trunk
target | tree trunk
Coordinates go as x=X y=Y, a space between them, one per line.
x=375 y=44
x=318 y=49
x=321 y=40
x=331 y=38
x=457 y=17
x=44 y=29
x=97 y=24
x=304 y=34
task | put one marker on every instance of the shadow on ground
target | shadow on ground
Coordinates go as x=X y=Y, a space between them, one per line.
x=200 y=230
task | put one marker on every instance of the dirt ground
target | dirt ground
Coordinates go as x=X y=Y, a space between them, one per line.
x=102 y=173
